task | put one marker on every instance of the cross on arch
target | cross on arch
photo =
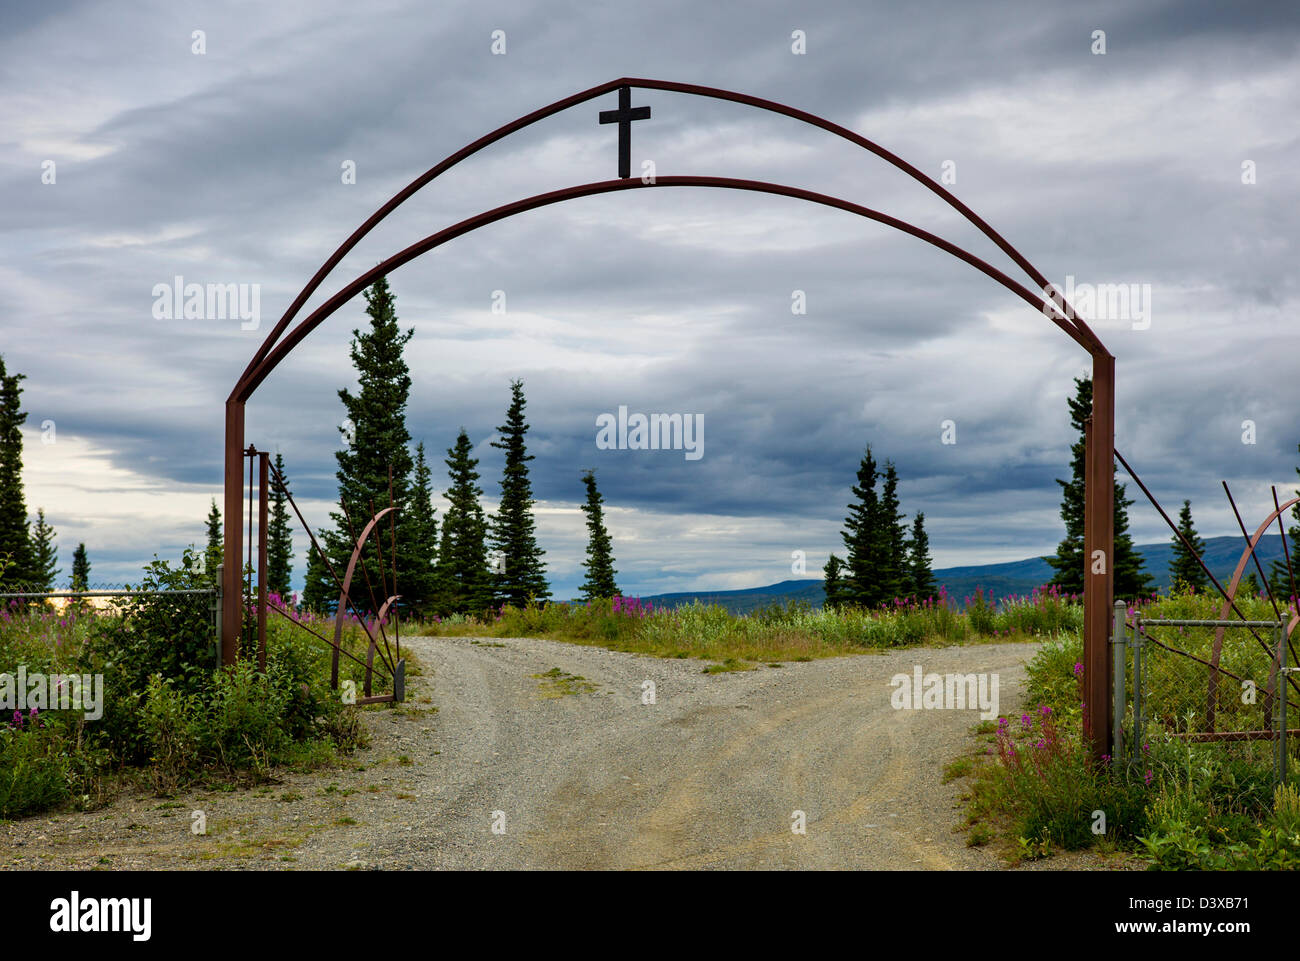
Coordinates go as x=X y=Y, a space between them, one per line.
x=624 y=116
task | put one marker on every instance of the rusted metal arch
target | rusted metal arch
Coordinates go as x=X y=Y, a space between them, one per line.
x=591 y=93
x=1098 y=534
x=321 y=313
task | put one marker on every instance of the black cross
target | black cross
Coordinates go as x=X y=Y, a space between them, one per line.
x=624 y=116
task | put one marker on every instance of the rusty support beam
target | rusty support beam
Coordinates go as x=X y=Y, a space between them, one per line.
x=231 y=587
x=264 y=469
x=1098 y=553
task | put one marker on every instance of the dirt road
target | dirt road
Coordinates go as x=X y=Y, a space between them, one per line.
x=545 y=755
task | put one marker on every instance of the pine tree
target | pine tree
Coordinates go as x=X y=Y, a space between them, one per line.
x=1184 y=572
x=80 y=569
x=864 y=541
x=378 y=443
x=15 y=539
x=44 y=553
x=833 y=583
x=464 y=584
x=520 y=574
x=279 y=537
x=918 y=560
x=213 y=554
x=319 y=592
x=1129 y=578
x=600 y=557
x=1249 y=586
x=422 y=529
x=1279 y=576
x=893 y=530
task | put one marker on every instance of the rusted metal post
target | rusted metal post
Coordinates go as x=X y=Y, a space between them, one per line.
x=231 y=592
x=264 y=470
x=1098 y=552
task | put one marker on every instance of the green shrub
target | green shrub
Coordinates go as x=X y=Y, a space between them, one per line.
x=35 y=770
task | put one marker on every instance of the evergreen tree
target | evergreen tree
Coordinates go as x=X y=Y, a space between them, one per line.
x=866 y=544
x=1129 y=578
x=422 y=528
x=1278 y=575
x=600 y=556
x=319 y=592
x=80 y=569
x=378 y=443
x=918 y=560
x=893 y=530
x=212 y=555
x=1249 y=586
x=521 y=571
x=15 y=539
x=833 y=583
x=1184 y=572
x=279 y=537
x=44 y=553
x=464 y=584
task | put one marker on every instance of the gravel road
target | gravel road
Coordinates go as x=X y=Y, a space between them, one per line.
x=574 y=771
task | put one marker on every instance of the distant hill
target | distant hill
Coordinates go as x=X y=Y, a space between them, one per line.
x=1012 y=577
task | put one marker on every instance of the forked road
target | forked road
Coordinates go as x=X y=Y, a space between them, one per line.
x=708 y=776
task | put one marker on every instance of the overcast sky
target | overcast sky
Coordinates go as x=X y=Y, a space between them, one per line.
x=227 y=166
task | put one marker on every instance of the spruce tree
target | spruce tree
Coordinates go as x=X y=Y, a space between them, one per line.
x=464 y=584
x=378 y=442
x=521 y=569
x=1129 y=578
x=918 y=560
x=319 y=592
x=893 y=530
x=80 y=569
x=44 y=553
x=833 y=583
x=865 y=543
x=1279 y=576
x=1184 y=572
x=422 y=529
x=213 y=554
x=600 y=557
x=279 y=537
x=15 y=539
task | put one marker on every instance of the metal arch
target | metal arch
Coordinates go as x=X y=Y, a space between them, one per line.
x=1098 y=527
x=715 y=93
x=269 y=362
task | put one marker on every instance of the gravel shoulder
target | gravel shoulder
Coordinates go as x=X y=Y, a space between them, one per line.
x=522 y=753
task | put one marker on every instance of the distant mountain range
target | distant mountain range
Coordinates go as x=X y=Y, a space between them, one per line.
x=1013 y=577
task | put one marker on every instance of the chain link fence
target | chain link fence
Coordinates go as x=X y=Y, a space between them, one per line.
x=1215 y=682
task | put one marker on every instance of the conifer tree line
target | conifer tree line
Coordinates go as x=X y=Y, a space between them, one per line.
x=885 y=556
x=459 y=560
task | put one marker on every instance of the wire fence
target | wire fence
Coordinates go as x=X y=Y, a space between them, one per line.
x=1221 y=682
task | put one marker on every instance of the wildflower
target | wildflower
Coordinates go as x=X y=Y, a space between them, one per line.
x=1147 y=778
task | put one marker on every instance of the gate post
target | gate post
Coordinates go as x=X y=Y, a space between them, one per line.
x=1098 y=551
x=231 y=584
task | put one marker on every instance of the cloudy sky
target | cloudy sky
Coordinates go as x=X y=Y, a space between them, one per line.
x=1169 y=162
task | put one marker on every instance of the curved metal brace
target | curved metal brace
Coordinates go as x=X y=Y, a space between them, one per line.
x=345 y=597
x=370 y=652
x=305 y=327
x=1093 y=344
x=1227 y=605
